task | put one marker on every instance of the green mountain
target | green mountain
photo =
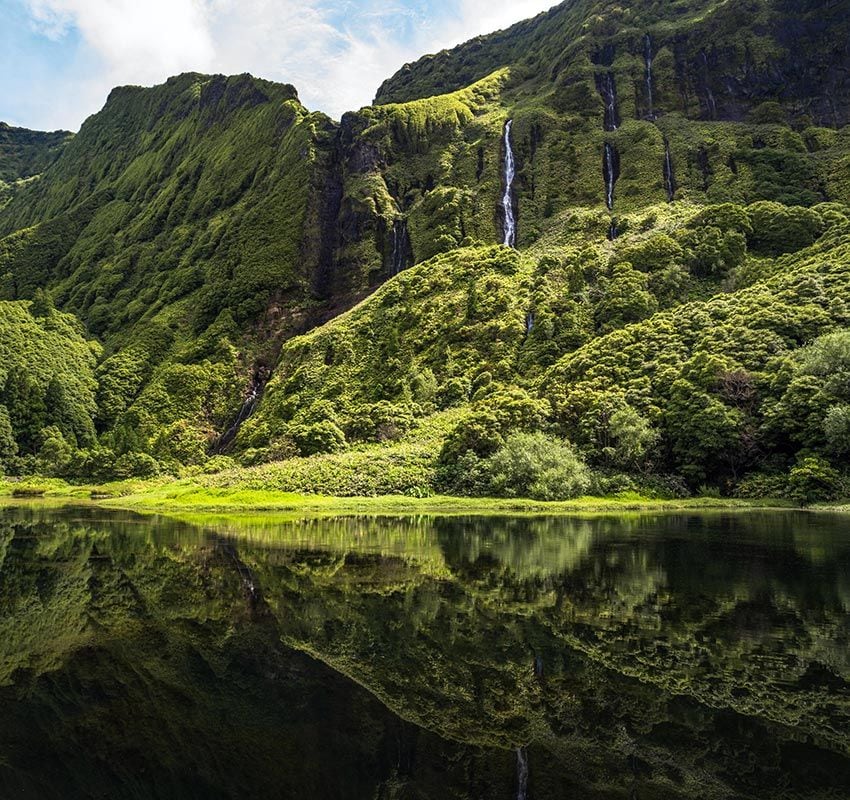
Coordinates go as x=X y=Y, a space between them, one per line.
x=276 y=286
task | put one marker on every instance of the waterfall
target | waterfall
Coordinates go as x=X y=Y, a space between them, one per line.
x=613 y=230
x=711 y=103
x=529 y=322
x=647 y=53
x=521 y=774
x=608 y=90
x=509 y=239
x=249 y=406
x=669 y=178
x=401 y=247
x=611 y=171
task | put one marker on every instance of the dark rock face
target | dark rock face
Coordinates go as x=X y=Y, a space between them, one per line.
x=734 y=57
x=807 y=69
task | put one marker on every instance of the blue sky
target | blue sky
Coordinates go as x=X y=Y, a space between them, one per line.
x=60 y=58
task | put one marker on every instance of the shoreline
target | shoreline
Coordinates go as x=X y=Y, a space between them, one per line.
x=186 y=497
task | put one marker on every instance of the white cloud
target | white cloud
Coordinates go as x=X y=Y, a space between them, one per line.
x=138 y=39
x=336 y=66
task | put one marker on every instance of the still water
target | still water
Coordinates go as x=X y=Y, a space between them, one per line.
x=632 y=656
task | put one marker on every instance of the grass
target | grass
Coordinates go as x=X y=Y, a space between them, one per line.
x=187 y=496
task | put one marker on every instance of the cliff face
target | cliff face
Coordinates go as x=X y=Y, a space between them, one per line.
x=720 y=59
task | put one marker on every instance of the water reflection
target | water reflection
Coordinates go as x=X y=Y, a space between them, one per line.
x=642 y=656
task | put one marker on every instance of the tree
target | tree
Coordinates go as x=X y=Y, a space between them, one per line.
x=42 y=304
x=655 y=253
x=711 y=252
x=836 y=426
x=704 y=433
x=54 y=456
x=8 y=445
x=24 y=400
x=318 y=437
x=726 y=217
x=632 y=435
x=782 y=229
x=135 y=465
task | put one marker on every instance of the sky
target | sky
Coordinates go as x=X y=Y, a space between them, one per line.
x=60 y=58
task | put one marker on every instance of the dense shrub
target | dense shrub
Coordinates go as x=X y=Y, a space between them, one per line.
x=813 y=480
x=318 y=437
x=135 y=465
x=537 y=466
x=782 y=229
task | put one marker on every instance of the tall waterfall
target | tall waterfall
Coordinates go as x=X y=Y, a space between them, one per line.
x=610 y=157
x=711 y=103
x=509 y=239
x=521 y=774
x=401 y=247
x=647 y=53
x=669 y=177
x=608 y=89
x=611 y=171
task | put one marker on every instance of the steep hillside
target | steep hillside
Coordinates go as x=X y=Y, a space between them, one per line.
x=678 y=179
x=574 y=342
x=202 y=183
x=47 y=384
x=184 y=226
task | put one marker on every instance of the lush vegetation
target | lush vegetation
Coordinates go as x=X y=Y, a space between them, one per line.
x=281 y=302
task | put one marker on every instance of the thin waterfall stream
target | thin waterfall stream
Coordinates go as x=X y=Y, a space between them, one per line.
x=608 y=90
x=509 y=239
x=521 y=774
x=647 y=53
x=611 y=170
x=669 y=177
x=249 y=406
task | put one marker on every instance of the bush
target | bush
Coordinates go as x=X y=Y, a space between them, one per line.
x=762 y=487
x=836 y=426
x=135 y=465
x=537 y=466
x=8 y=445
x=381 y=422
x=783 y=229
x=769 y=113
x=218 y=464
x=55 y=454
x=369 y=472
x=452 y=393
x=813 y=480
x=318 y=437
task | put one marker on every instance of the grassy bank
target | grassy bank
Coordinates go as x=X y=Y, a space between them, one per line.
x=188 y=496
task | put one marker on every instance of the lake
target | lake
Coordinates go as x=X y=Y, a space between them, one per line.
x=634 y=656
